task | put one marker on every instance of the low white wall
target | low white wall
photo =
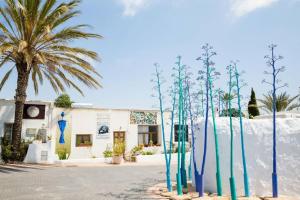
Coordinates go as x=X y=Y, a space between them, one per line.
x=258 y=145
x=34 y=153
x=159 y=159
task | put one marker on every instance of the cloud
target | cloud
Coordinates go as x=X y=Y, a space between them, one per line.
x=131 y=7
x=243 y=7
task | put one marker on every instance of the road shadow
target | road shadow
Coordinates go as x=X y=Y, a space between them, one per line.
x=7 y=169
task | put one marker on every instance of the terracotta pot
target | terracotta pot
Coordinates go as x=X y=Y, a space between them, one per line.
x=117 y=159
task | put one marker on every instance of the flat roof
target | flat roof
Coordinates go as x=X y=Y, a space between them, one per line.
x=89 y=107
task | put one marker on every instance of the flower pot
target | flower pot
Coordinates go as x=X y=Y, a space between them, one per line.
x=117 y=159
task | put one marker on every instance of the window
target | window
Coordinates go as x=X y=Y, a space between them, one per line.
x=147 y=135
x=83 y=140
x=8 y=132
x=176 y=128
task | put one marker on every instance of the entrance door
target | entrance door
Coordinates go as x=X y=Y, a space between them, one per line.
x=119 y=137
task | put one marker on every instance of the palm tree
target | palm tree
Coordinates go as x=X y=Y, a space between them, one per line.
x=226 y=97
x=283 y=102
x=35 y=39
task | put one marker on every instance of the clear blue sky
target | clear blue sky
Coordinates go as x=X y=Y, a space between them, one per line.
x=138 y=33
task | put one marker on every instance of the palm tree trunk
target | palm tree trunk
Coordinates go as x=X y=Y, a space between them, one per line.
x=20 y=98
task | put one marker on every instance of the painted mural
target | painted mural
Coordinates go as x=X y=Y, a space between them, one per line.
x=147 y=118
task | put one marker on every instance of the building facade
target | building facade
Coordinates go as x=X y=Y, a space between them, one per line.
x=89 y=130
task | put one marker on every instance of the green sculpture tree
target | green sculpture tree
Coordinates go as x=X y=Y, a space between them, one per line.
x=231 y=85
x=239 y=84
x=158 y=86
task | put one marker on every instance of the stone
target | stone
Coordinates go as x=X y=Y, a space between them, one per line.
x=168 y=194
x=281 y=198
x=215 y=197
x=181 y=197
x=249 y=198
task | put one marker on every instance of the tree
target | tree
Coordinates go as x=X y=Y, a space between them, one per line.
x=35 y=38
x=209 y=74
x=272 y=61
x=284 y=102
x=239 y=84
x=231 y=84
x=63 y=101
x=252 y=105
x=158 y=86
x=226 y=98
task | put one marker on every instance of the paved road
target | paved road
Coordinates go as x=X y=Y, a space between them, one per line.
x=78 y=183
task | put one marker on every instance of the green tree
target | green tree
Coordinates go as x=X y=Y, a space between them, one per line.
x=226 y=98
x=63 y=101
x=252 y=105
x=35 y=37
x=284 y=102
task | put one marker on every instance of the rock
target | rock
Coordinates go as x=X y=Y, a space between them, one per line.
x=281 y=198
x=249 y=198
x=168 y=194
x=181 y=197
x=215 y=197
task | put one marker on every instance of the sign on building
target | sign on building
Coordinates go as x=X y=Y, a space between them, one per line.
x=103 y=125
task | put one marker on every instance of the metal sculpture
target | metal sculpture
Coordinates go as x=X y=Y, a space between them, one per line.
x=209 y=75
x=271 y=62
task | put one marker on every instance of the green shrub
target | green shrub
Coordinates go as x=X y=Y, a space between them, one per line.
x=7 y=151
x=107 y=153
x=137 y=150
x=147 y=153
x=234 y=113
x=62 y=154
x=119 y=149
x=63 y=101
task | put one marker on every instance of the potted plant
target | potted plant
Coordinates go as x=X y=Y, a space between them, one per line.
x=107 y=155
x=118 y=152
x=135 y=152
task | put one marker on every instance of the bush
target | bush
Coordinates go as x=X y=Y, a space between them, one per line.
x=234 y=113
x=63 y=101
x=107 y=153
x=119 y=149
x=62 y=154
x=147 y=153
x=7 y=151
x=137 y=150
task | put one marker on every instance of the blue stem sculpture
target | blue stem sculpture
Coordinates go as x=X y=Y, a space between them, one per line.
x=196 y=173
x=209 y=75
x=271 y=62
x=238 y=87
x=231 y=179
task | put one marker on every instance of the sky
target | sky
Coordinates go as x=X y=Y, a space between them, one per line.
x=138 y=33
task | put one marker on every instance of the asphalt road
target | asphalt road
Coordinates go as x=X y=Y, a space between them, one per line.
x=78 y=183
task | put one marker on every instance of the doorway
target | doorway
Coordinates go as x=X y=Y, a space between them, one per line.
x=119 y=137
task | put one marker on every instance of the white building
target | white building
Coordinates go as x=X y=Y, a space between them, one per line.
x=89 y=130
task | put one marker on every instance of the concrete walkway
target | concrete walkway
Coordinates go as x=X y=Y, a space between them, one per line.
x=27 y=182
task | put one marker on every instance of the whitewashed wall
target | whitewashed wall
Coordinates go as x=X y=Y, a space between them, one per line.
x=7 y=109
x=258 y=144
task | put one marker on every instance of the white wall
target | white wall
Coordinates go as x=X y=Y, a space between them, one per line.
x=7 y=109
x=258 y=145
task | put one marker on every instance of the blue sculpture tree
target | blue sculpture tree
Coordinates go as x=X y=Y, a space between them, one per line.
x=209 y=74
x=275 y=70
